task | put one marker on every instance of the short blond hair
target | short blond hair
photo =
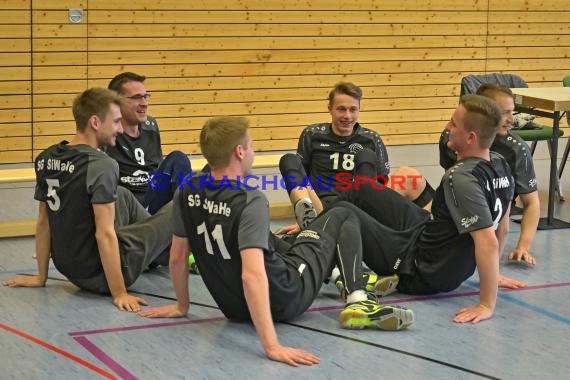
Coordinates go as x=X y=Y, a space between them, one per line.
x=483 y=117
x=219 y=136
x=94 y=101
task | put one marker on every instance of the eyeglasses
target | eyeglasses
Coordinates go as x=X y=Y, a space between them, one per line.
x=138 y=97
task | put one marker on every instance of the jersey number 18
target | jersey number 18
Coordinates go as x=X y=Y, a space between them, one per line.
x=347 y=162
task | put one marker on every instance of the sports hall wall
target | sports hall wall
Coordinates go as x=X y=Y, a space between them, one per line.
x=271 y=60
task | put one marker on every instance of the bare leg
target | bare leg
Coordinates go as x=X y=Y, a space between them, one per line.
x=410 y=183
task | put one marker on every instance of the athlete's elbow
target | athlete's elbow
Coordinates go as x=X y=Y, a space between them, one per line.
x=251 y=280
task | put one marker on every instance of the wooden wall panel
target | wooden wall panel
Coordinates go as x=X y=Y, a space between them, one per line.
x=15 y=82
x=282 y=30
x=279 y=44
x=269 y=60
x=270 y=16
x=341 y=5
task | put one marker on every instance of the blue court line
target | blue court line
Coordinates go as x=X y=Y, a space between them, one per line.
x=526 y=305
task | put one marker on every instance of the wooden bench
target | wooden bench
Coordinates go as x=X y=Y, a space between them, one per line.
x=21 y=228
x=28 y=175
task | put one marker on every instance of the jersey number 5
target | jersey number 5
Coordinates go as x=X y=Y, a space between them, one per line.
x=218 y=235
x=53 y=200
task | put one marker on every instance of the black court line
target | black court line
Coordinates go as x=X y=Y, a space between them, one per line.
x=172 y=299
x=132 y=291
x=352 y=339
x=49 y=278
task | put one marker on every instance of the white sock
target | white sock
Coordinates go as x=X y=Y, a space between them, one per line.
x=356 y=296
x=334 y=275
x=305 y=200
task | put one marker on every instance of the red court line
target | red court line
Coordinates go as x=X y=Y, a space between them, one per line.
x=58 y=351
x=104 y=358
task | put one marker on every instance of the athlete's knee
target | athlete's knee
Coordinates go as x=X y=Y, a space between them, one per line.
x=408 y=181
x=177 y=155
x=365 y=155
x=345 y=211
x=176 y=161
x=365 y=162
x=414 y=186
x=292 y=170
x=290 y=163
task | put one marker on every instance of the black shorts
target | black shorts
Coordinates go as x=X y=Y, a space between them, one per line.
x=313 y=254
x=310 y=258
x=390 y=225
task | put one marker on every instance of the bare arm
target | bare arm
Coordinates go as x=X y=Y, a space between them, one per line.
x=179 y=273
x=109 y=251
x=43 y=247
x=256 y=290
x=502 y=231
x=487 y=258
x=529 y=224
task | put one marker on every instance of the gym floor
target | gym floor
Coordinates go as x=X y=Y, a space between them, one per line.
x=61 y=332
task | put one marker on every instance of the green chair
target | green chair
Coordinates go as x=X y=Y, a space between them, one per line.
x=531 y=132
x=566 y=83
x=536 y=132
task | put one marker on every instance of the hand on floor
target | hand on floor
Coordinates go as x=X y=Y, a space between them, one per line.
x=168 y=311
x=292 y=356
x=510 y=283
x=522 y=254
x=126 y=302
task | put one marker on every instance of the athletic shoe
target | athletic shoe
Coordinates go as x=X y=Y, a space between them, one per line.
x=304 y=212
x=386 y=285
x=193 y=267
x=359 y=315
x=370 y=281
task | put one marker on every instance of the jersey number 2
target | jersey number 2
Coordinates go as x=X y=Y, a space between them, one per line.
x=499 y=208
x=218 y=235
